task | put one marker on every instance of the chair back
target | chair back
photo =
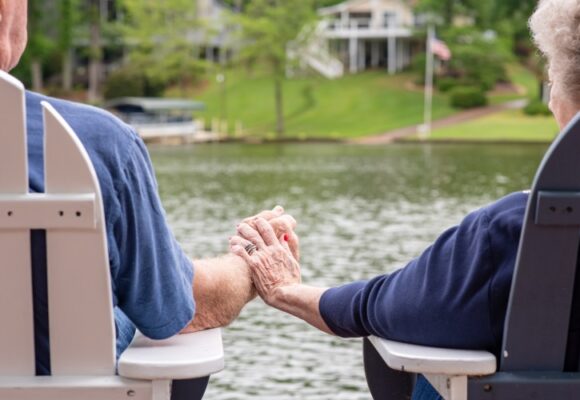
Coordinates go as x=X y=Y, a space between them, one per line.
x=540 y=303
x=82 y=333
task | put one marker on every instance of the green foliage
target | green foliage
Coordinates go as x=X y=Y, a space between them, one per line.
x=478 y=58
x=446 y=84
x=130 y=81
x=537 y=107
x=157 y=33
x=270 y=27
x=468 y=97
x=40 y=45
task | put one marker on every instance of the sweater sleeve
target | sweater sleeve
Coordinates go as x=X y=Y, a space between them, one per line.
x=439 y=299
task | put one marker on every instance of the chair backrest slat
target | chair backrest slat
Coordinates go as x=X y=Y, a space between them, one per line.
x=82 y=333
x=16 y=312
x=538 y=315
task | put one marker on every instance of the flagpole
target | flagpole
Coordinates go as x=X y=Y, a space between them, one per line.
x=429 y=71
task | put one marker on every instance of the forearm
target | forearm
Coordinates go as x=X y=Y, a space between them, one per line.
x=303 y=302
x=221 y=288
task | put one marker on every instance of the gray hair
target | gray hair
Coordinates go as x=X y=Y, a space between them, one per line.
x=555 y=27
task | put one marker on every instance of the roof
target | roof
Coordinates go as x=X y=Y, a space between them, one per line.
x=361 y=6
x=155 y=104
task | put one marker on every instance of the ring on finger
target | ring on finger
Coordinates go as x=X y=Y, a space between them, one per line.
x=250 y=248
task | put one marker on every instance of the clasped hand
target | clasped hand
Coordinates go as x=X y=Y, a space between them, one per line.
x=273 y=258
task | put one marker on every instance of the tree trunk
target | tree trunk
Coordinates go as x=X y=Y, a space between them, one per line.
x=95 y=62
x=37 y=81
x=449 y=12
x=67 y=70
x=279 y=107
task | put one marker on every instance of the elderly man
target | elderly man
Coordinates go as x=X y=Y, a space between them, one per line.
x=455 y=294
x=152 y=278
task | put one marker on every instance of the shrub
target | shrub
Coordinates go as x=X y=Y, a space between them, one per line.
x=131 y=82
x=468 y=97
x=537 y=107
x=445 y=84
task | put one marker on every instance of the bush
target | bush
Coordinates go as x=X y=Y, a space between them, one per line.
x=537 y=107
x=131 y=82
x=468 y=97
x=445 y=84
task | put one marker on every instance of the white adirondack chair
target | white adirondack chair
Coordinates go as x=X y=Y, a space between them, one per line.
x=82 y=334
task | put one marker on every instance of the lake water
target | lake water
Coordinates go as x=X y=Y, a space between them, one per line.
x=362 y=211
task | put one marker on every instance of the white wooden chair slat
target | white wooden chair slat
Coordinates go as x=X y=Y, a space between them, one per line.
x=42 y=211
x=82 y=333
x=180 y=357
x=17 y=342
x=74 y=388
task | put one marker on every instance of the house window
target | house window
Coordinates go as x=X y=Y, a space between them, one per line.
x=389 y=20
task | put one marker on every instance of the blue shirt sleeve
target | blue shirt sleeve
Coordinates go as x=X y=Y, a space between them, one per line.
x=439 y=299
x=152 y=281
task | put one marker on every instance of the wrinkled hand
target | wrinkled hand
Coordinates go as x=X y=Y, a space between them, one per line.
x=282 y=224
x=272 y=264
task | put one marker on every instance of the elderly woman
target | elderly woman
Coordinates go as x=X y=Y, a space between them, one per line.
x=455 y=294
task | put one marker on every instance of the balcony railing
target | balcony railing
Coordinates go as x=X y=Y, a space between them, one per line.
x=365 y=27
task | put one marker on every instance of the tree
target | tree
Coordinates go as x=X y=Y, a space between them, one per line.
x=40 y=44
x=160 y=36
x=95 y=50
x=269 y=28
x=68 y=16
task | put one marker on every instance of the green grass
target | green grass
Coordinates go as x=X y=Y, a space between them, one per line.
x=525 y=82
x=510 y=125
x=353 y=106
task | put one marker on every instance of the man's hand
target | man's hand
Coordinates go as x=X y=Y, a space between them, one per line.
x=223 y=286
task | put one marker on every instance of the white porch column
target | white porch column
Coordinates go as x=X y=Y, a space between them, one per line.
x=353 y=55
x=375 y=54
x=362 y=56
x=400 y=55
x=392 y=55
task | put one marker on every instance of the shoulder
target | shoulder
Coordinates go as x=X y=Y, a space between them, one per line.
x=98 y=129
x=508 y=212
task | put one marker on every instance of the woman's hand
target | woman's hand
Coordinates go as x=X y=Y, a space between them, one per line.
x=282 y=224
x=269 y=257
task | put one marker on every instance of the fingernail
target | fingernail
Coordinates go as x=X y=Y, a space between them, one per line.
x=278 y=208
x=286 y=237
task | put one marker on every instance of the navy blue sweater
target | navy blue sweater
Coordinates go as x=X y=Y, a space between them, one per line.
x=454 y=295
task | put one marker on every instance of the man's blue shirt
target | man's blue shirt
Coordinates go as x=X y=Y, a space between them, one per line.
x=453 y=295
x=151 y=276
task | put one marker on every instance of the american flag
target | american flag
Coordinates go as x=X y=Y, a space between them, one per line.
x=440 y=49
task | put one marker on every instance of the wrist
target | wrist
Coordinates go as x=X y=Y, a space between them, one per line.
x=282 y=296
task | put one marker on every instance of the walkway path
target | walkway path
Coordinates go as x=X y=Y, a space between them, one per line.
x=464 y=116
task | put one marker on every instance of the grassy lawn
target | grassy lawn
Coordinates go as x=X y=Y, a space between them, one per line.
x=353 y=106
x=359 y=105
x=523 y=79
x=510 y=125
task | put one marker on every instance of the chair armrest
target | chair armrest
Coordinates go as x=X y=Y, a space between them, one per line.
x=186 y=356
x=432 y=360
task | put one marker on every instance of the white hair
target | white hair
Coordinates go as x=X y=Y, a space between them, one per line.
x=555 y=27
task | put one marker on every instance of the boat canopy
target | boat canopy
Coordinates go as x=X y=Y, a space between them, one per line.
x=153 y=105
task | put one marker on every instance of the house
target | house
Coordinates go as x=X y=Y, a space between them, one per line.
x=365 y=34
x=216 y=41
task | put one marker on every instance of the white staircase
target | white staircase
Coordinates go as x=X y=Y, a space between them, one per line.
x=314 y=53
